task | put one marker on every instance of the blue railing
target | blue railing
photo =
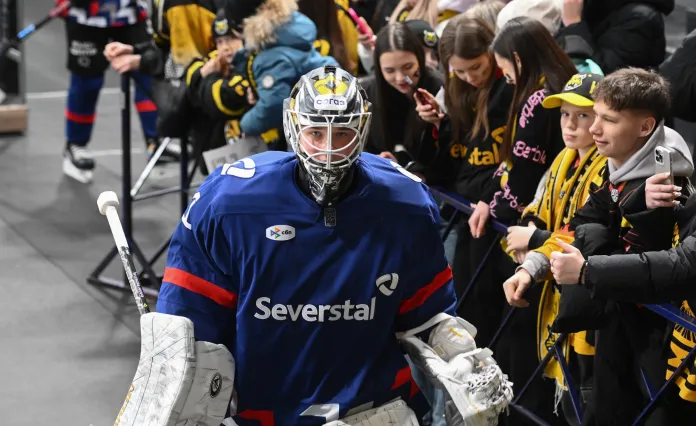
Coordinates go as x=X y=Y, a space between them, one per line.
x=666 y=311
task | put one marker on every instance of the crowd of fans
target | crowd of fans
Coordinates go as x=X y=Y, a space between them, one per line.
x=544 y=114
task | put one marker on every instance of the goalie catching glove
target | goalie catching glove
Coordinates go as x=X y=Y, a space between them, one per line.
x=179 y=382
x=477 y=391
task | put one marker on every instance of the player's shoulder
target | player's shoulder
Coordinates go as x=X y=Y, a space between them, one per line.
x=395 y=189
x=251 y=184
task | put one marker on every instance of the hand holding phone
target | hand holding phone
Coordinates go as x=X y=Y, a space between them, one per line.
x=427 y=108
x=660 y=190
x=360 y=23
x=663 y=162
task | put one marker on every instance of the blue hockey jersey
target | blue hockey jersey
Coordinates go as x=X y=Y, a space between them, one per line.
x=308 y=299
x=106 y=13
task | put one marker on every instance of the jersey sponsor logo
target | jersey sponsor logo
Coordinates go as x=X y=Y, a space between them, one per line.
x=280 y=232
x=346 y=311
x=244 y=168
x=387 y=283
x=330 y=103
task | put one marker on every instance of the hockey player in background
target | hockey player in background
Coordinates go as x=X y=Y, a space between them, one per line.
x=306 y=265
x=90 y=25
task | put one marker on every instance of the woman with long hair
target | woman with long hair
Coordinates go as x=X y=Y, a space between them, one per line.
x=399 y=72
x=537 y=67
x=476 y=98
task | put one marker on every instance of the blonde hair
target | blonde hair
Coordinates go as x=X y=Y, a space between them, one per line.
x=424 y=9
x=486 y=10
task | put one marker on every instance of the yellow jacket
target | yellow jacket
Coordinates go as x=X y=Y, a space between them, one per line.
x=192 y=22
x=349 y=34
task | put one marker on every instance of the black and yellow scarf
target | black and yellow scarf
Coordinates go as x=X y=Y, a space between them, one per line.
x=563 y=195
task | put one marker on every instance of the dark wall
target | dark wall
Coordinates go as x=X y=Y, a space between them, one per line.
x=9 y=26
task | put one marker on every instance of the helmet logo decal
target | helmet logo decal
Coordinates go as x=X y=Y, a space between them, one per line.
x=330 y=85
x=330 y=103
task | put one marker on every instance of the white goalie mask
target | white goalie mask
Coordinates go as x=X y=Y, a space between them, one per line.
x=326 y=120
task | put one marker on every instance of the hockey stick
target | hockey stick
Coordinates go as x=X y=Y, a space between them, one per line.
x=107 y=203
x=9 y=46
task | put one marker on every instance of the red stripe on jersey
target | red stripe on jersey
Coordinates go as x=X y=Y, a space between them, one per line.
x=265 y=417
x=422 y=295
x=403 y=377
x=200 y=286
x=80 y=118
x=414 y=389
x=145 y=106
x=94 y=8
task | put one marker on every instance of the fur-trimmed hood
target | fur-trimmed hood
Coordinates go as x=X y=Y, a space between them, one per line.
x=278 y=22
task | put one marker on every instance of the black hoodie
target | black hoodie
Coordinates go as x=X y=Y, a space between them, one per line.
x=680 y=70
x=619 y=33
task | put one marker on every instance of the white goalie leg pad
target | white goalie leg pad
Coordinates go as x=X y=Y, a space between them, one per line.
x=477 y=391
x=393 y=413
x=179 y=382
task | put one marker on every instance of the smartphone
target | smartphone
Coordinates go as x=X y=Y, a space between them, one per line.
x=663 y=162
x=421 y=97
x=361 y=26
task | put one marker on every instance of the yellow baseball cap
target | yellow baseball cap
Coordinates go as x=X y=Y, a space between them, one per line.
x=577 y=91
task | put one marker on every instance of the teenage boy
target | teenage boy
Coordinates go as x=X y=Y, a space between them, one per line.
x=573 y=175
x=630 y=107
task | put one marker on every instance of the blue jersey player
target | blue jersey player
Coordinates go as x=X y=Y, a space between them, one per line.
x=306 y=265
x=90 y=25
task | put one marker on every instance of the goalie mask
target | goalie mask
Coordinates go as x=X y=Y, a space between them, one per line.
x=326 y=121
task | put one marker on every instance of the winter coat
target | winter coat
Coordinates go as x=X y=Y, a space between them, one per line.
x=614 y=221
x=278 y=50
x=680 y=70
x=619 y=33
x=657 y=277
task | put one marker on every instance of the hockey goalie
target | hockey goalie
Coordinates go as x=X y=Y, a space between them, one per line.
x=320 y=270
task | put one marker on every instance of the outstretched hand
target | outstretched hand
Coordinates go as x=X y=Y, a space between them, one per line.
x=566 y=266
x=515 y=286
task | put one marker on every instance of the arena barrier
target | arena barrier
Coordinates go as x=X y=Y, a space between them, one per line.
x=665 y=310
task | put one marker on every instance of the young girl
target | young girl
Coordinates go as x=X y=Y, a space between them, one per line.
x=477 y=99
x=532 y=61
x=565 y=189
x=400 y=70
